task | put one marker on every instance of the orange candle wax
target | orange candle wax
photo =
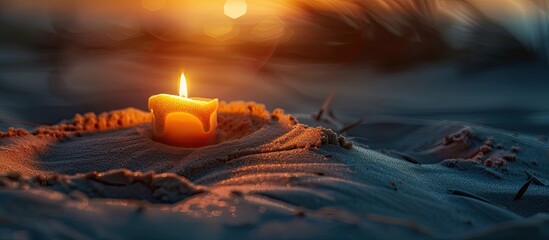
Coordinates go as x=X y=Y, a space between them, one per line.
x=181 y=121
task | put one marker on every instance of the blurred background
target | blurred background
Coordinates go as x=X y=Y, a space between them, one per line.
x=479 y=61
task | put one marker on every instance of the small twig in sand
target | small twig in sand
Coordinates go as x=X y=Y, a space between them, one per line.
x=332 y=114
x=470 y=195
x=523 y=189
x=350 y=126
x=410 y=159
x=324 y=106
x=535 y=179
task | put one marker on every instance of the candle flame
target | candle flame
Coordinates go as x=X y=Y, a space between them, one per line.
x=183 y=86
x=235 y=8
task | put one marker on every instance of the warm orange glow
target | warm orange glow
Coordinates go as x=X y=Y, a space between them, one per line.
x=268 y=29
x=182 y=121
x=219 y=28
x=153 y=5
x=183 y=86
x=235 y=8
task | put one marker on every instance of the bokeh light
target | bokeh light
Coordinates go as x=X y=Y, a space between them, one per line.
x=235 y=8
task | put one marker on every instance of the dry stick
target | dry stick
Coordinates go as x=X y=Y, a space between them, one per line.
x=470 y=195
x=332 y=114
x=523 y=189
x=324 y=106
x=409 y=159
x=535 y=179
x=350 y=126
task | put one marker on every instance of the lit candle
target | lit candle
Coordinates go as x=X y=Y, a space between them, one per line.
x=182 y=121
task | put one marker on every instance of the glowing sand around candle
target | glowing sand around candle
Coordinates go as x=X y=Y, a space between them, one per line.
x=182 y=121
